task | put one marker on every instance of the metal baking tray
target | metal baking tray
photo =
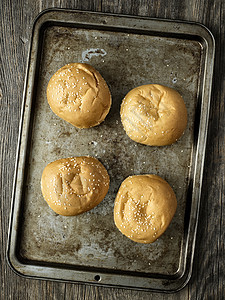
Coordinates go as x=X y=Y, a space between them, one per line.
x=128 y=52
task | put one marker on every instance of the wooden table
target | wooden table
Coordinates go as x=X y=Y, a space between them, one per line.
x=208 y=279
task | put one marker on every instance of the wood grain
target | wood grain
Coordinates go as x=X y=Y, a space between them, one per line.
x=210 y=248
x=208 y=280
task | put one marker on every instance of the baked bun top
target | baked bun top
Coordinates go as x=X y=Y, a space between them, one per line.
x=144 y=207
x=78 y=94
x=154 y=115
x=74 y=185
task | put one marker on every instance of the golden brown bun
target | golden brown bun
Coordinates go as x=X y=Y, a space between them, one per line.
x=78 y=94
x=74 y=185
x=154 y=115
x=144 y=207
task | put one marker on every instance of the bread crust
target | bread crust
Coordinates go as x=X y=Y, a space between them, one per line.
x=74 y=185
x=78 y=94
x=154 y=115
x=144 y=207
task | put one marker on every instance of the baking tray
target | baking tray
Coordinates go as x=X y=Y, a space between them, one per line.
x=128 y=52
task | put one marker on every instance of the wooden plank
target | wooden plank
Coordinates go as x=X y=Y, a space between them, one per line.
x=12 y=57
x=208 y=280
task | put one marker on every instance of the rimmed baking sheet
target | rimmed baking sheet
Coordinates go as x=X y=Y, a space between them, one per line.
x=128 y=52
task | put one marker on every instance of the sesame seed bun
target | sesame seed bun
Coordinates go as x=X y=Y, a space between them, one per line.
x=154 y=115
x=144 y=207
x=78 y=94
x=74 y=185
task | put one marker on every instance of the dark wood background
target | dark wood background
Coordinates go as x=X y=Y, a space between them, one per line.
x=208 y=279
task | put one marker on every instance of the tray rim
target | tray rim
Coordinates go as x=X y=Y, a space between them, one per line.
x=22 y=268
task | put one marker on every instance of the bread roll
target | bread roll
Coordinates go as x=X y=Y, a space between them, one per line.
x=74 y=185
x=78 y=94
x=144 y=207
x=154 y=115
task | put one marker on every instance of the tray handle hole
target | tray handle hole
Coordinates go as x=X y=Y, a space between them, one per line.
x=97 y=278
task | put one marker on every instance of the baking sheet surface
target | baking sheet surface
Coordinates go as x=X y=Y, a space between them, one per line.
x=125 y=60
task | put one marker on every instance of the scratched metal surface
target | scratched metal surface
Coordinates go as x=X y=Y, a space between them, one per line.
x=125 y=61
x=45 y=245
